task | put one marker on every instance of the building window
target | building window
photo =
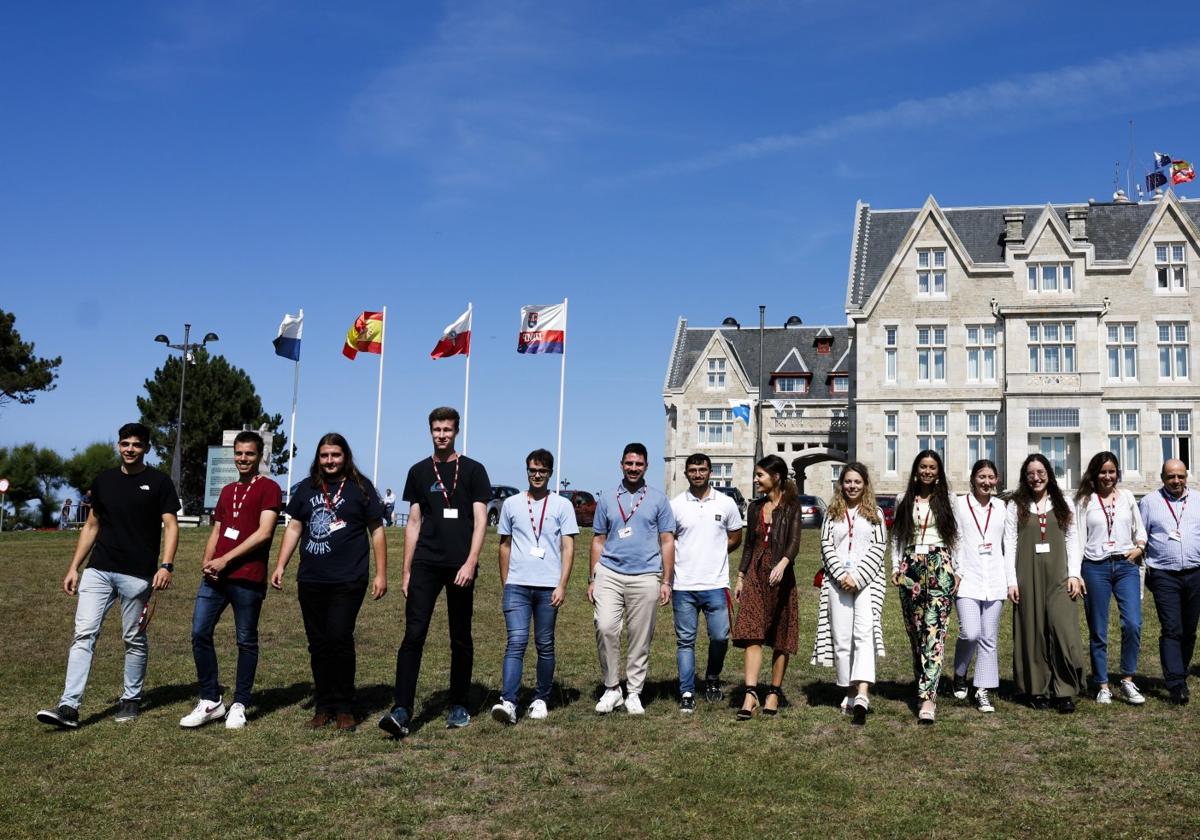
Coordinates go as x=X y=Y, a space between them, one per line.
x=722 y=474
x=789 y=411
x=791 y=385
x=841 y=384
x=1123 y=438
x=891 y=427
x=1052 y=347
x=889 y=354
x=1122 y=352
x=1054 y=418
x=981 y=435
x=1170 y=266
x=931 y=271
x=931 y=431
x=1176 y=428
x=981 y=353
x=931 y=354
x=716 y=374
x=714 y=425
x=1173 y=350
x=1050 y=277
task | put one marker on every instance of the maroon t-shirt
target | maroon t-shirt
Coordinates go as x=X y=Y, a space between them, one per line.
x=262 y=494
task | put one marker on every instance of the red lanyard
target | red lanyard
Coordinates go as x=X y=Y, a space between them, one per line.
x=925 y=524
x=641 y=498
x=238 y=503
x=537 y=532
x=986 y=522
x=1110 y=514
x=438 y=474
x=1041 y=520
x=1170 y=507
x=850 y=529
x=331 y=504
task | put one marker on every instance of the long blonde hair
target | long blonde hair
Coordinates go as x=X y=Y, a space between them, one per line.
x=866 y=505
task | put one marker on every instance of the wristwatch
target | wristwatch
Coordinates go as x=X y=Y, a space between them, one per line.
x=170 y=567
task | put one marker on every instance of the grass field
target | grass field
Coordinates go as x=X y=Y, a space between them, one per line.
x=1115 y=771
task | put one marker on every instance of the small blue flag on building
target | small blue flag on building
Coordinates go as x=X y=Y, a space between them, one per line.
x=287 y=343
x=741 y=410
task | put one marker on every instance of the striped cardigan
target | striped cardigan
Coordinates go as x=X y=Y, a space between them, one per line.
x=867 y=573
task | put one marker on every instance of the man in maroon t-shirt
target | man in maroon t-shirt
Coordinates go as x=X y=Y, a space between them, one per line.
x=235 y=572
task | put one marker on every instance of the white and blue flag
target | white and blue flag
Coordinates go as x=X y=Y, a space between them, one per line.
x=741 y=410
x=287 y=343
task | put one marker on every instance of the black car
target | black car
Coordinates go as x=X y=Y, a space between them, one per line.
x=500 y=492
x=736 y=495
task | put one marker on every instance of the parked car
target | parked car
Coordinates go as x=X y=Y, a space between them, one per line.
x=585 y=506
x=500 y=492
x=812 y=511
x=887 y=504
x=736 y=495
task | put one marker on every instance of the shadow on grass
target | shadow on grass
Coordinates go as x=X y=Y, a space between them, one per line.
x=273 y=699
x=163 y=695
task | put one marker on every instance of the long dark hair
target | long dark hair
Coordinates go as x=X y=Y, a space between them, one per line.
x=1091 y=478
x=778 y=467
x=1023 y=498
x=939 y=502
x=334 y=439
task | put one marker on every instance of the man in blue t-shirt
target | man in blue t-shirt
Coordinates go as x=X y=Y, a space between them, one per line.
x=632 y=560
x=537 y=531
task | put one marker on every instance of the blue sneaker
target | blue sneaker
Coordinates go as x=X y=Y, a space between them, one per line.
x=395 y=722
x=457 y=717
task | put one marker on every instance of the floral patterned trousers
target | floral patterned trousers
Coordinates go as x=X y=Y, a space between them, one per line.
x=926 y=598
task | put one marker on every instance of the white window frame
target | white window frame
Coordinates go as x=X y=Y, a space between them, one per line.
x=722 y=474
x=800 y=381
x=931 y=431
x=716 y=374
x=931 y=352
x=1170 y=267
x=1121 y=351
x=1175 y=434
x=981 y=435
x=839 y=378
x=1053 y=278
x=891 y=426
x=719 y=419
x=891 y=338
x=1124 y=438
x=981 y=352
x=1062 y=340
x=1174 y=350
x=931 y=272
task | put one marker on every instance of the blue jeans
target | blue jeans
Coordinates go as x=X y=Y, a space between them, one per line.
x=1177 y=600
x=1113 y=576
x=211 y=600
x=523 y=604
x=97 y=592
x=714 y=603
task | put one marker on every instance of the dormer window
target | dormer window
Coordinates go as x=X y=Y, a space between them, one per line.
x=839 y=383
x=791 y=384
x=931 y=272
x=1050 y=277
x=716 y=374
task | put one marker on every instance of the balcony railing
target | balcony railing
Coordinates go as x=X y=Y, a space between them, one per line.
x=810 y=425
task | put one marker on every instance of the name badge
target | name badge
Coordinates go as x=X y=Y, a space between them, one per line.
x=450 y=513
x=336 y=525
x=986 y=549
x=231 y=533
x=1042 y=548
x=538 y=552
x=625 y=533
x=922 y=549
x=1175 y=535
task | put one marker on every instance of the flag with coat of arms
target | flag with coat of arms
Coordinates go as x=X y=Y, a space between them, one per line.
x=543 y=329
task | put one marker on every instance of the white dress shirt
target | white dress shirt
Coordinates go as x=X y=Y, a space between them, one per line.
x=979 y=550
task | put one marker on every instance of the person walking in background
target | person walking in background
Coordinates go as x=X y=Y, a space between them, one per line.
x=389 y=507
x=766 y=584
x=64 y=516
x=336 y=520
x=1113 y=541
x=1042 y=559
x=924 y=538
x=979 y=558
x=850 y=613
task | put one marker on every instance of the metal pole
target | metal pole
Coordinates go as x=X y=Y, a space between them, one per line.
x=3 y=496
x=175 y=459
x=758 y=444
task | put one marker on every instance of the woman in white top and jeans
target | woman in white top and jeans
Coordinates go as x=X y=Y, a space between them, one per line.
x=1113 y=540
x=981 y=594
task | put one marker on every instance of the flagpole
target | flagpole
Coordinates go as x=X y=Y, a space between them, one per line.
x=562 y=383
x=379 y=398
x=467 y=387
x=292 y=429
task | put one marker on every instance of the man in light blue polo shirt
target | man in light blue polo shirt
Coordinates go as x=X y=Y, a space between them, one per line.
x=537 y=541
x=632 y=561
x=1173 y=572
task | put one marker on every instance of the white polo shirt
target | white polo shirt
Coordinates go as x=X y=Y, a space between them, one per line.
x=701 y=539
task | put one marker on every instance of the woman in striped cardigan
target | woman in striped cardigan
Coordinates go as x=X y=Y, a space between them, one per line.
x=849 y=618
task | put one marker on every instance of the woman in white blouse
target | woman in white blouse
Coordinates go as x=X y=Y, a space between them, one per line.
x=849 y=625
x=1041 y=554
x=981 y=594
x=1113 y=540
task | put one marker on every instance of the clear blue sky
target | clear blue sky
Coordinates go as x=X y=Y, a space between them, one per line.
x=222 y=163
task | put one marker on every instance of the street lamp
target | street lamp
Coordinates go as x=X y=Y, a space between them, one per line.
x=186 y=350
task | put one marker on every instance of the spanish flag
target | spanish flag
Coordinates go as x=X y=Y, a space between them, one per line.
x=365 y=335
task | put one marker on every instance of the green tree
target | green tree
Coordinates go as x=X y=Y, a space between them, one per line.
x=34 y=474
x=22 y=374
x=218 y=396
x=81 y=469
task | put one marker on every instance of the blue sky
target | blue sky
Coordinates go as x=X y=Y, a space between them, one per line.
x=222 y=163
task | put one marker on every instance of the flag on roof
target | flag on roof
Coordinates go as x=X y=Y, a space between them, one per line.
x=287 y=343
x=365 y=335
x=1155 y=180
x=1182 y=172
x=1161 y=160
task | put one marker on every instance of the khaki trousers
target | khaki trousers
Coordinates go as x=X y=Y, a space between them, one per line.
x=632 y=601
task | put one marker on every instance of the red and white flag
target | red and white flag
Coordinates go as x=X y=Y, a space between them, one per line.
x=456 y=338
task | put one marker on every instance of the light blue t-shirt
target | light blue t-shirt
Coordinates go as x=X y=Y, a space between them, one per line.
x=523 y=568
x=649 y=514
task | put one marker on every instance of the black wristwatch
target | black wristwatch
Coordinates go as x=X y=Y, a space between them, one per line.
x=170 y=567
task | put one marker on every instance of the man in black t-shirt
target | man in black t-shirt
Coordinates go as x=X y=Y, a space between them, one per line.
x=447 y=519
x=133 y=507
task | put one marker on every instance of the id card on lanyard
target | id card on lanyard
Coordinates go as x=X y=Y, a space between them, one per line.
x=537 y=550
x=627 y=532
x=331 y=504
x=1042 y=547
x=1177 y=532
x=237 y=504
x=985 y=547
x=449 y=511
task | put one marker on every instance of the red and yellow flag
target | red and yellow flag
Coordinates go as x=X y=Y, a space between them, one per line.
x=366 y=335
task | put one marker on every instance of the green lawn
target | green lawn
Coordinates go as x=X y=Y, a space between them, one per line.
x=1115 y=771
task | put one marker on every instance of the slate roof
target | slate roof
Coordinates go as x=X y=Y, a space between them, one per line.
x=1112 y=229
x=778 y=342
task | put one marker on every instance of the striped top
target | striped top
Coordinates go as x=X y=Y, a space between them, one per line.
x=863 y=562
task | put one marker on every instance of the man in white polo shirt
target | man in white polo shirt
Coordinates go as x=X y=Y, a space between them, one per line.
x=708 y=526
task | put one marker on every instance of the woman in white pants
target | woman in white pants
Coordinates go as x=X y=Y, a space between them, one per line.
x=849 y=626
x=980 y=598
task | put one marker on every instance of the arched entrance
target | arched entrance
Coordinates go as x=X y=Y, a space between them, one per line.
x=810 y=457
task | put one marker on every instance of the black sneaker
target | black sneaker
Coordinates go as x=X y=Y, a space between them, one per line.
x=64 y=717
x=1065 y=705
x=395 y=722
x=712 y=690
x=1180 y=696
x=960 y=688
x=128 y=711
x=687 y=704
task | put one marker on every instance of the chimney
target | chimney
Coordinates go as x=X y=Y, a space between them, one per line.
x=1077 y=222
x=1014 y=221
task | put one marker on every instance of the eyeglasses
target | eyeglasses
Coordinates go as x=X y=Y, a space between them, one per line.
x=537 y=471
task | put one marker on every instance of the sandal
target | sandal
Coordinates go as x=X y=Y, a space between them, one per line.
x=744 y=713
x=777 y=692
x=927 y=717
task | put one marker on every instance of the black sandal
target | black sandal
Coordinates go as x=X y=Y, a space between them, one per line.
x=744 y=713
x=777 y=690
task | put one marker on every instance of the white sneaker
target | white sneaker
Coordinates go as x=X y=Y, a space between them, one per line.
x=205 y=711
x=1130 y=693
x=505 y=712
x=983 y=700
x=236 y=717
x=1104 y=697
x=538 y=710
x=633 y=705
x=610 y=700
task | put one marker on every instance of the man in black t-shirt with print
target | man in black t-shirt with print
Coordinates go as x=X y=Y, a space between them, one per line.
x=447 y=520
x=133 y=508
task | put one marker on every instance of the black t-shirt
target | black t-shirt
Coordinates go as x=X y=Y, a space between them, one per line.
x=446 y=542
x=130 y=509
x=328 y=554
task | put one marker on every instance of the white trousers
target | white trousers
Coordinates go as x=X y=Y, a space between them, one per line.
x=852 y=626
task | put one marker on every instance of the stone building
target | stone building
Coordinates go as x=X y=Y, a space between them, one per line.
x=806 y=377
